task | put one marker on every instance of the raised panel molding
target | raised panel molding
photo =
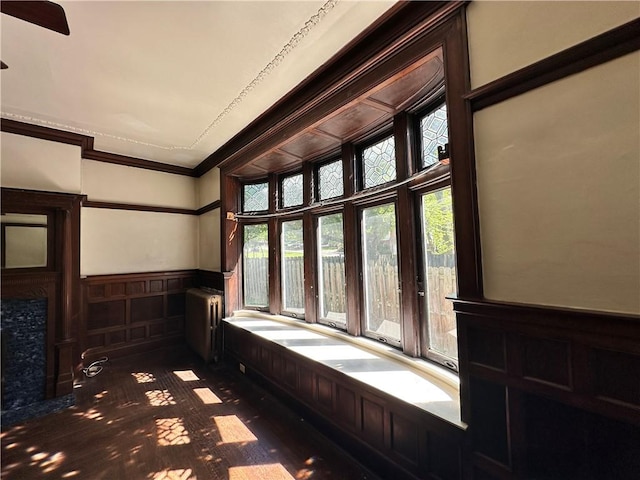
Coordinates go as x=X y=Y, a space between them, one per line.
x=405 y=437
x=373 y=422
x=131 y=313
x=397 y=437
x=552 y=393
x=570 y=355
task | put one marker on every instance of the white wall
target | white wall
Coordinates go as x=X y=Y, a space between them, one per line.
x=209 y=223
x=119 y=241
x=35 y=164
x=208 y=187
x=505 y=36
x=558 y=173
x=112 y=241
x=124 y=241
x=108 y=182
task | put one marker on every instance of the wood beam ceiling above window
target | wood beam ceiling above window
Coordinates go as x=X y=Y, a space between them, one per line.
x=387 y=70
x=347 y=122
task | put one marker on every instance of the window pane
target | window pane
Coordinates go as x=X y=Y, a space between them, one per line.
x=255 y=255
x=331 y=279
x=292 y=191
x=379 y=163
x=292 y=267
x=440 y=271
x=380 y=268
x=255 y=197
x=434 y=132
x=330 y=180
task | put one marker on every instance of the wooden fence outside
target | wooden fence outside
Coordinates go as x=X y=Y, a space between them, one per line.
x=383 y=278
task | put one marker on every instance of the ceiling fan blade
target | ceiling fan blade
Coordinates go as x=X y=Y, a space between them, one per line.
x=46 y=14
x=3 y=65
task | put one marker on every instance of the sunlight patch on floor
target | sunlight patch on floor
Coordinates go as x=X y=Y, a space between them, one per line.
x=232 y=430
x=91 y=414
x=207 y=396
x=53 y=462
x=177 y=474
x=144 y=377
x=71 y=474
x=171 y=431
x=186 y=375
x=273 y=471
x=160 y=398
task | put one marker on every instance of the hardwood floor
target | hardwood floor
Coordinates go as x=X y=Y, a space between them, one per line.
x=169 y=417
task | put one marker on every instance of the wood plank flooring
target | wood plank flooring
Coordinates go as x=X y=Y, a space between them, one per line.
x=168 y=417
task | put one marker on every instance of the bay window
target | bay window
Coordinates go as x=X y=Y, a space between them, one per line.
x=362 y=240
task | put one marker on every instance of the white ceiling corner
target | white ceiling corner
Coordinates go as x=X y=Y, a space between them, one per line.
x=170 y=81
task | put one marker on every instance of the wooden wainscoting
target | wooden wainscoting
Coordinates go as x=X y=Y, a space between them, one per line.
x=132 y=313
x=550 y=393
x=394 y=438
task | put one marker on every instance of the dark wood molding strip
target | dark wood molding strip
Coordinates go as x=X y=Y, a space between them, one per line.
x=595 y=51
x=401 y=27
x=138 y=208
x=86 y=144
x=209 y=207
x=46 y=133
x=121 y=277
x=137 y=162
x=573 y=319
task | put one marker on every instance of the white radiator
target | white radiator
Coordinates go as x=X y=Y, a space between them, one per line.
x=203 y=317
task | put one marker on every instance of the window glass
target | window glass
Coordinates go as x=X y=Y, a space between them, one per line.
x=379 y=163
x=434 y=133
x=292 y=262
x=330 y=180
x=380 y=272
x=255 y=197
x=439 y=271
x=292 y=190
x=331 y=273
x=255 y=254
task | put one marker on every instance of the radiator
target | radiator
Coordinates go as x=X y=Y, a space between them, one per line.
x=202 y=323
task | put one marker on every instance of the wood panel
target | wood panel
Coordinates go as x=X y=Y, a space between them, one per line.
x=545 y=386
x=59 y=282
x=583 y=358
x=405 y=436
x=404 y=441
x=126 y=314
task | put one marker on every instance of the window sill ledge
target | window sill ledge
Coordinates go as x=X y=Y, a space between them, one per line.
x=411 y=380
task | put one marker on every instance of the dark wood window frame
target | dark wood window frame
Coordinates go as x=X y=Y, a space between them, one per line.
x=414 y=33
x=404 y=192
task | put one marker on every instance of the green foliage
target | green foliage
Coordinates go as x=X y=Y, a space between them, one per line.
x=256 y=240
x=438 y=222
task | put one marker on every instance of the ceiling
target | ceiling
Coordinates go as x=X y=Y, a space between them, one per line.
x=170 y=81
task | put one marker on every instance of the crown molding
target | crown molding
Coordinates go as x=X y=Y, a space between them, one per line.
x=85 y=143
x=400 y=27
